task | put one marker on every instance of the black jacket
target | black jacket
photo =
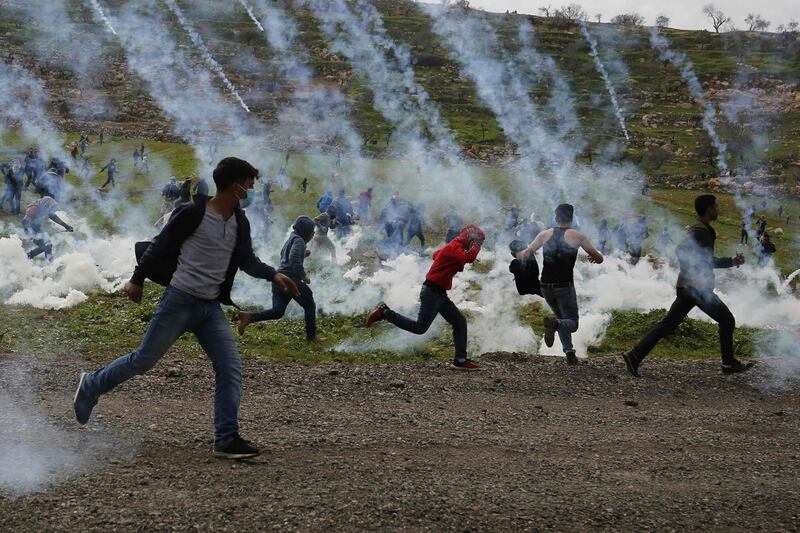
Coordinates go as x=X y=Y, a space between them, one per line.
x=158 y=260
x=526 y=275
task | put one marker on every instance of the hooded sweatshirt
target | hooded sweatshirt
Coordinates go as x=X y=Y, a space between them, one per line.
x=293 y=252
x=451 y=259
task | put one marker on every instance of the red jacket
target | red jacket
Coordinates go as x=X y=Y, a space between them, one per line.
x=452 y=258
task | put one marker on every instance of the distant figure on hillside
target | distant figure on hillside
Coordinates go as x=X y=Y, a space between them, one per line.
x=304 y=185
x=111 y=169
x=745 y=234
x=453 y=222
x=364 y=205
x=35 y=214
x=135 y=158
x=322 y=223
x=765 y=249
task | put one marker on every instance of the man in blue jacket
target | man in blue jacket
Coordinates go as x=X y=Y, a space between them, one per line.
x=196 y=255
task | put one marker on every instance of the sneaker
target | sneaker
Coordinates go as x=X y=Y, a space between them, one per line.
x=572 y=359
x=550 y=328
x=631 y=363
x=736 y=367
x=467 y=365
x=244 y=321
x=237 y=448
x=84 y=401
x=377 y=313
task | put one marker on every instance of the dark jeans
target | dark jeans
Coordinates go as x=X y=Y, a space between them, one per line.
x=43 y=244
x=564 y=303
x=685 y=301
x=434 y=302
x=415 y=232
x=109 y=180
x=281 y=299
x=744 y=237
x=177 y=313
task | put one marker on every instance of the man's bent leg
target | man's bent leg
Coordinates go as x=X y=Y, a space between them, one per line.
x=567 y=316
x=306 y=301
x=677 y=312
x=172 y=318
x=280 y=300
x=215 y=335
x=429 y=302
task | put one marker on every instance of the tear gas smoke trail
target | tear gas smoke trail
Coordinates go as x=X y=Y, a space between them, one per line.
x=186 y=94
x=475 y=46
x=612 y=92
x=98 y=11
x=252 y=16
x=356 y=31
x=323 y=110
x=684 y=64
x=561 y=103
x=359 y=35
x=201 y=45
x=23 y=101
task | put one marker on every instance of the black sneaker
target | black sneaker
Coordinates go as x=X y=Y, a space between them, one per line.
x=572 y=359
x=736 y=367
x=631 y=363
x=84 y=400
x=550 y=328
x=237 y=448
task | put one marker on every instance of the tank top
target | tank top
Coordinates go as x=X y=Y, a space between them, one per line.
x=559 y=258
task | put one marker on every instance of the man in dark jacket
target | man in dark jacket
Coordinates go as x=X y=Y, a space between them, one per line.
x=111 y=167
x=293 y=255
x=197 y=255
x=695 y=287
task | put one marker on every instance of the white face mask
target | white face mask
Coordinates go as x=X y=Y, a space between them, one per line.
x=248 y=199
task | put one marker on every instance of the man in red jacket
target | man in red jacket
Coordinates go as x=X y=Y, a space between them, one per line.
x=433 y=298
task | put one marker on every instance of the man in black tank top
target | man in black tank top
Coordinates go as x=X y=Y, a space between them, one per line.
x=560 y=250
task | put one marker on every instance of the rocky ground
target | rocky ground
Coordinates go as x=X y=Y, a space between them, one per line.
x=526 y=443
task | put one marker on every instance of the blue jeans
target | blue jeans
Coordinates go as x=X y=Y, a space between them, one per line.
x=280 y=300
x=564 y=303
x=177 y=313
x=434 y=302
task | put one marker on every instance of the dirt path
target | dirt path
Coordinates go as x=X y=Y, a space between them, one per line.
x=527 y=443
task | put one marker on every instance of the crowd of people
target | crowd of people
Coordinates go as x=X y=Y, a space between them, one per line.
x=200 y=249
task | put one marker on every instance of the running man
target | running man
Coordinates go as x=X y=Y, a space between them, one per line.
x=560 y=250
x=433 y=299
x=35 y=215
x=197 y=254
x=695 y=287
x=293 y=255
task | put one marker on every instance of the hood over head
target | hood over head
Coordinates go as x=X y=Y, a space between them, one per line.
x=469 y=236
x=304 y=226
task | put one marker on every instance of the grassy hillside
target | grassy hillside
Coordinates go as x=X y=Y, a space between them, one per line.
x=664 y=120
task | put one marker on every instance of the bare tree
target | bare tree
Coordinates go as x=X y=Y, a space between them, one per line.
x=599 y=18
x=662 y=21
x=756 y=23
x=718 y=18
x=545 y=11
x=792 y=26
x=628 y=19
x=571 y=13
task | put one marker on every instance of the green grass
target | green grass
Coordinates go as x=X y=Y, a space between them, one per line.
x=694 y=339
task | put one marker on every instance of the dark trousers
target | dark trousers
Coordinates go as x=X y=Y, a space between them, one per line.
x=434 y=302
x=281 y=299
x=744 y=237
x=43 y=244
x=109 y=180
x=685 y=301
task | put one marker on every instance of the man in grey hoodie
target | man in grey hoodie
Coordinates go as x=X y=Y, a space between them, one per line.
x=293 y=254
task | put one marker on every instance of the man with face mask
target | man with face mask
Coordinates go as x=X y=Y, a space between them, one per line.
x=293 y=255
x=695 y=287
x=433 y=299
x=196 y=255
